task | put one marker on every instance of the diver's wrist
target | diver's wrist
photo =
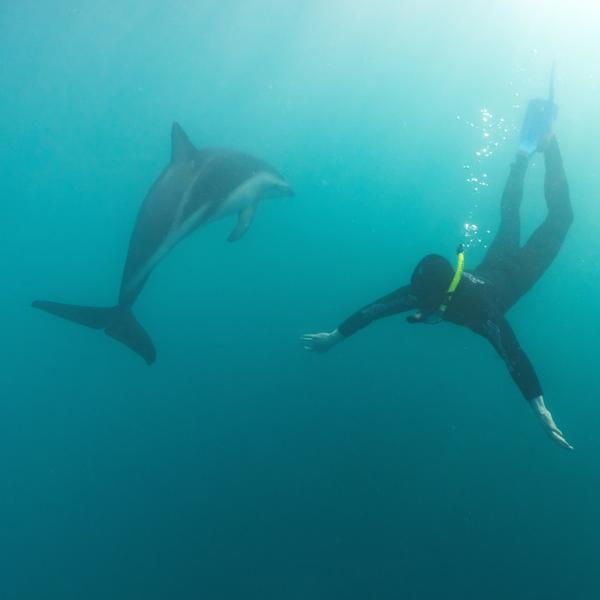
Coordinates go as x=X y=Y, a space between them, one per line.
x=538 y=405
x=335 y=336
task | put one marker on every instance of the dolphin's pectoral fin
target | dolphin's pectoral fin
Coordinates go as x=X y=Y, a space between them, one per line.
x=244 y=220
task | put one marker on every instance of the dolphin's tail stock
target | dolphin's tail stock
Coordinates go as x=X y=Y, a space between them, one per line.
x=117 y=321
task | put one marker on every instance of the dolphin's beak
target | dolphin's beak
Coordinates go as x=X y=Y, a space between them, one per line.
x=280 y=189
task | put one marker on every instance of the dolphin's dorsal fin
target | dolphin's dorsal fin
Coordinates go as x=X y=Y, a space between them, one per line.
x=182 y=150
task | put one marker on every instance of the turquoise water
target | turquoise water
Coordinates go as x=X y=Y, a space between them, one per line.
x=404 y=464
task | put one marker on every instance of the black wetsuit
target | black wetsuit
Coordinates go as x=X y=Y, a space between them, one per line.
x=508 y=270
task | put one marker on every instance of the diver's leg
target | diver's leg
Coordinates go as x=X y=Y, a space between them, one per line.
x=506 y=242
x=545 y=242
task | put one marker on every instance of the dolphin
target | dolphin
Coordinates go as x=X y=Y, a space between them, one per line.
x=198 y=186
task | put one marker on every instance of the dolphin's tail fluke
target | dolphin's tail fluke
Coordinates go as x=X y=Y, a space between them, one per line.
x=117 y=321
x=125 y=328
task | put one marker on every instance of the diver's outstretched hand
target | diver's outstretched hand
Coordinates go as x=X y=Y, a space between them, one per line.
x=321 y=342
x=548 y=422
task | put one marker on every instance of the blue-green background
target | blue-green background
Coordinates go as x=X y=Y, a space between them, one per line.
x=402 y=465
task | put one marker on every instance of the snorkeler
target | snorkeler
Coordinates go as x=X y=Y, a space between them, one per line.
x=478 y=299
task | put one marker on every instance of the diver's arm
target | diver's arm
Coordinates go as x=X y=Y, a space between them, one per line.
x=399 y=301
x=500 y=334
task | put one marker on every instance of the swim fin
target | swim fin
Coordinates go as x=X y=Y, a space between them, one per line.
x=538 y=120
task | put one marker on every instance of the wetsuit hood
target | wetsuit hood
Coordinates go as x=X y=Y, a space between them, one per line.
x=430 y=281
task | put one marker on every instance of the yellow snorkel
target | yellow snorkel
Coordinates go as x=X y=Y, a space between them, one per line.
x=460 y=267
